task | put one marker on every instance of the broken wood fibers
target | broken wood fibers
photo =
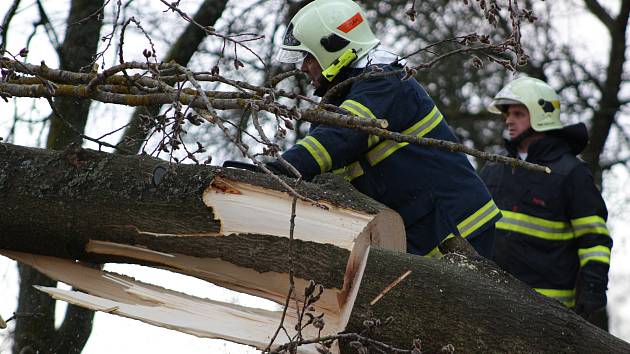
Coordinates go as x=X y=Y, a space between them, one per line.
x=229 y=227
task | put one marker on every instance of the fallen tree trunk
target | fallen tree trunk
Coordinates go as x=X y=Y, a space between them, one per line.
x=227 y=226
x=231 y=227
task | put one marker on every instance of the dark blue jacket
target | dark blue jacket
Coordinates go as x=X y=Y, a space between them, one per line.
x=553 y=234
x=429 y=186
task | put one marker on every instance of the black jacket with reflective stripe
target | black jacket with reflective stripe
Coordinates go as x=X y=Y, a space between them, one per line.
x=553 y=225
x=413 y=180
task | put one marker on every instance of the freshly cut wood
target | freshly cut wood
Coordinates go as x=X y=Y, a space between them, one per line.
x=227 y=226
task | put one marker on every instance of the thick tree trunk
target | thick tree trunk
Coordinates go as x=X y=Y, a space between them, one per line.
x=471 y=305
x=99 y=207
x=37 y=334
x=81 y=204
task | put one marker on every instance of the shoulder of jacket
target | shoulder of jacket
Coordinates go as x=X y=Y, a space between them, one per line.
x=491 y=168
x=378 y=80
x=566 y=164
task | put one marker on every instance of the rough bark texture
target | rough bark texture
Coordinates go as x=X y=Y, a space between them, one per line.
x=60 y=199
x=37 y=334
x=471 y=305
x=458 y=301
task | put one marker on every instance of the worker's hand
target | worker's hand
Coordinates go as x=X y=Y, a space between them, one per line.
x=591 y=289
x=278 y=168
x=274 y=166
x=242 y=165
x=591 y=297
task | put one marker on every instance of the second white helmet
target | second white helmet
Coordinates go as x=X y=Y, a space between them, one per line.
x=542 y=102
x=326 y=29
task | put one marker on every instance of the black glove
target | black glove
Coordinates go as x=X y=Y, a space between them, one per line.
x=241 y=165
x=278 y=168
x=591 y=289
x=274 y=166
x=591 y=297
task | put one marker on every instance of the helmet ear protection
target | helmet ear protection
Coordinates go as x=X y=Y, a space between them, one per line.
x=542 y=102
x=334 y=32
x=333 y=43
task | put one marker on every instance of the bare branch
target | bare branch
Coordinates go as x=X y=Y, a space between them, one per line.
x=598 y=10
x=4 y=28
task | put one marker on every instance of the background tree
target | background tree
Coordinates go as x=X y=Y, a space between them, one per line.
x=37 y=333
x=181 y=51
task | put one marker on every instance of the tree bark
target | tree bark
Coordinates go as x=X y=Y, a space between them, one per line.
x=63 y=204
x=37 y=334
x=97 y=207
x=470 y=304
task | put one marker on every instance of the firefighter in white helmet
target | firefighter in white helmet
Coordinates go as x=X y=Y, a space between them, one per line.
x=553 y=233
x=437 y=193
x=334 y=33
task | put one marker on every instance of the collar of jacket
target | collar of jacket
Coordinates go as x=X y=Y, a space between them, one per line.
x=570 y=139
x=375 y=58
x=347 y=73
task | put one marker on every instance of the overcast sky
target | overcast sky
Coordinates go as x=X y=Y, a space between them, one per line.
x=113 y=334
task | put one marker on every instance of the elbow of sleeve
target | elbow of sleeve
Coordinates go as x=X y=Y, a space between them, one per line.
x=302 y=161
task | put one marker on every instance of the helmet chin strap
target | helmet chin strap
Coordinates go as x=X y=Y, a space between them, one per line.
x=325 y=85
x=334 y=73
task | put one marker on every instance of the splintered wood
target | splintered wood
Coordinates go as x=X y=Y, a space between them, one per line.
x=244 y=213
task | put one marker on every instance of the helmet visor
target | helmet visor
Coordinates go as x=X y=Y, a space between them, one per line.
x=287 y=55
x=499 y=105
x=290 y=56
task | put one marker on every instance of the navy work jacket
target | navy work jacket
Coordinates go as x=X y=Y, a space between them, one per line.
x=553 y=233
x=427 y=186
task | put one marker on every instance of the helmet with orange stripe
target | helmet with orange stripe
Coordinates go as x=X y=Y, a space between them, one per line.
x=329 y=30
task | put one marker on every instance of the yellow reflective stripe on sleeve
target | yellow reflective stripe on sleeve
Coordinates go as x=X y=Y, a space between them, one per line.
x=476 y=220
x=479 y=218
x=373 y=140
x=566 y=297
x=360 y=110
x=536 y=227
x=596 y=254
x=589 y=225
x=420 y=129
x=357 y=109
x=350 y=172
x=319 y=153
x=386 y=148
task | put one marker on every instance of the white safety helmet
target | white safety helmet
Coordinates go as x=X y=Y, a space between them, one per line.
x=327 y=29
x=541 y=101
